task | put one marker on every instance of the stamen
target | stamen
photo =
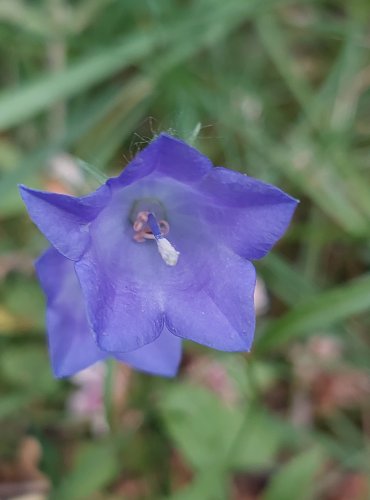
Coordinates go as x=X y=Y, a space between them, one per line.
x=147 y=227
x=153 y=224
x=142 y=229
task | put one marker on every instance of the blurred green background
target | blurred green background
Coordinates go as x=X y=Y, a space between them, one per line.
x=274 y=88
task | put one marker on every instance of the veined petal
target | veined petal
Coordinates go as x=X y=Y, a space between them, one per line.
x=124 y=313
x=71 y=344
x=161 y=357
x=64 y=219
x=250 y=215
x=219 y=310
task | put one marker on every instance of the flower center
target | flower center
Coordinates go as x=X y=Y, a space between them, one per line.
x=147 y=227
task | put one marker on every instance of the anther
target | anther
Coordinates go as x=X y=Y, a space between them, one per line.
x=168 y=253
x=146 y=227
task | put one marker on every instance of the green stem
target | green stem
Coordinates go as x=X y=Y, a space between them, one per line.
x=108 y=395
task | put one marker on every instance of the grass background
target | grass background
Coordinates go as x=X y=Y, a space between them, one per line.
x=277 y=89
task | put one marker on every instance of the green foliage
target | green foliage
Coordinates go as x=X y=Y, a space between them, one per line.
x=209 y=484
x=276 y=89
x=321 y=311
x=296 y=479
x=211 y=435
x=95 y=466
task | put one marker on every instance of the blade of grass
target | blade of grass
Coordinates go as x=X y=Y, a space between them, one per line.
x=324 y=310
x=287 y=283
x=20 y=104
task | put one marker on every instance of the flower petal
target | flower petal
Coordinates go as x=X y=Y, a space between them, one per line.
x=218 y=310
x=122 y=311
x=71 y=344
x=161 y=357
x=250 y=215
x=124 y=282
x=63 y=219
x=168 y=156
x=128 y=288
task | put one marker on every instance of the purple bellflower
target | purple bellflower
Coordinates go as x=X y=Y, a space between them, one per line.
x=158 y=254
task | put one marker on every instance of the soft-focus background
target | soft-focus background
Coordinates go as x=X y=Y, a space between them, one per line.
x=275 y=88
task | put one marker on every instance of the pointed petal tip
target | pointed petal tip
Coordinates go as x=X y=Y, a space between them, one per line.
x=22 y=187
x=294 y=201
x=24 y=192
x=33 y=197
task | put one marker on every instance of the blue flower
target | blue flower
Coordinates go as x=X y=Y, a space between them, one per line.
x=158 y=254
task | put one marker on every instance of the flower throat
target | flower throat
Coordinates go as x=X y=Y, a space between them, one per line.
x=148 y=218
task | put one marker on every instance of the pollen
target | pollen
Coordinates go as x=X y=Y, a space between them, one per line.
x=168 y=253
x=146 y=227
